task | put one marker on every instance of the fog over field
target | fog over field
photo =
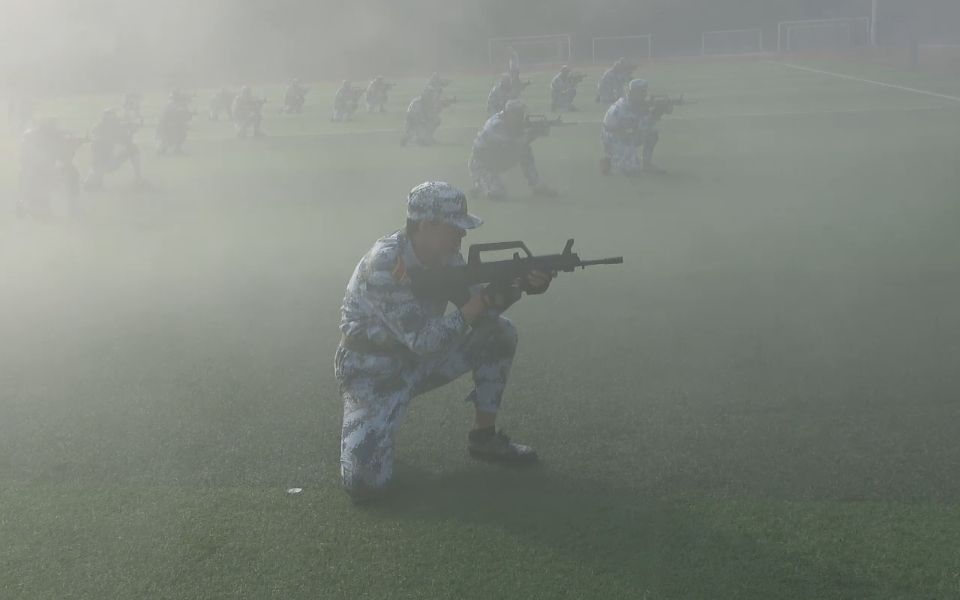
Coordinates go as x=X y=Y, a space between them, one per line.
x=759 y=402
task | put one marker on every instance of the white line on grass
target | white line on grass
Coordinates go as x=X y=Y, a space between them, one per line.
x=870 y=81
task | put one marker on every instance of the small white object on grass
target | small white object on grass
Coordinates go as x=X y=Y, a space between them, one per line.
x=294 y=490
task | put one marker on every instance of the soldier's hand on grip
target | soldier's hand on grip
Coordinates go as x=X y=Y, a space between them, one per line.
x=500 y=296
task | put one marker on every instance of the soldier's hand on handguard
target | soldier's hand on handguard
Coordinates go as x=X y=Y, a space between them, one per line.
x=537 y=282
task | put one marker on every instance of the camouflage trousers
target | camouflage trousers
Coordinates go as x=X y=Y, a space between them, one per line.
x=343 y=111
x=377 y=390
x=623 y=152
x=485 y=171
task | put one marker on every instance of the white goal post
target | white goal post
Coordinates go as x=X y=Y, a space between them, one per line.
x=732 y=41
x=532 y=49
x=610 y=48
x=823 y=34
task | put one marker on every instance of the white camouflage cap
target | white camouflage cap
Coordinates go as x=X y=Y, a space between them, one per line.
x=440 y=201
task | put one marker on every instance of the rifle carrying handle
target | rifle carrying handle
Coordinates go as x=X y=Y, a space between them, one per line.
x=473 y=257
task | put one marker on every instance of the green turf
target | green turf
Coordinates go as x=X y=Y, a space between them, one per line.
x=760 y=403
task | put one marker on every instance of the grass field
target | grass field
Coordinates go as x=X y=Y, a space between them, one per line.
x=762 y=402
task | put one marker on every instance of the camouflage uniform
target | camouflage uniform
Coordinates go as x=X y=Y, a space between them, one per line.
x=513 y=60
x=497 y=149
x=612 y=82
x=112 y=146
x=562 y=91
x=294 y=97
x=397 y=346
x=46 y=166
x=422 y=119
x=437 y=83
x=221 y=103
x=376 y=95
x=345 y=103
x=627 y=127
x=499 y=95
x=247 y=112
x=174 y=124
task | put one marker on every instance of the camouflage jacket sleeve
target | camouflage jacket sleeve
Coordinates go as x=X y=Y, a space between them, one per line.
x=387 y=294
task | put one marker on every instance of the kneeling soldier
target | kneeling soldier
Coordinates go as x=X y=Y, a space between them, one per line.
x=397 y=345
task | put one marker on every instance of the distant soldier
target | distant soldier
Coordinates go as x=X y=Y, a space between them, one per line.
x=503 y=143
x=111 y=147
x=221 y=104
x=423 y=117
x=611 y=86
x=563 y=89
x=174 y=123
x=46 y=167
x=377 y=94
x=294 y=98
x=629 y=125
x=131 y=108
x=513 y=60
x=437 y=83
x=346 y=102
x=517 y=85
x=499 y=95
x=247 y=113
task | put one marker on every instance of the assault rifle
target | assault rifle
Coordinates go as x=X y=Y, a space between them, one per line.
x=445 y=283
x=576 y=78
x=539 y=125
x=445 y=102
x=663 y=105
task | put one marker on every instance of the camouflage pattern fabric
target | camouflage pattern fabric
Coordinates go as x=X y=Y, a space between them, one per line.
x=562 y=92
x=172 y=127
x=498 y=97
x=496 y=149
x=247 y=114
x=345 y=104
x=611 y=85
x=422 y=120
x=429 y=349
x=46 y=166
x=111 y=146
x=625 y=130
x=376 y=96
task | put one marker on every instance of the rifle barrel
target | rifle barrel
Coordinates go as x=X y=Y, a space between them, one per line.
x=618 y=260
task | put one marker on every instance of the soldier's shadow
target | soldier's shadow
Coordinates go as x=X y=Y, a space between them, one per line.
x=631 y=539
